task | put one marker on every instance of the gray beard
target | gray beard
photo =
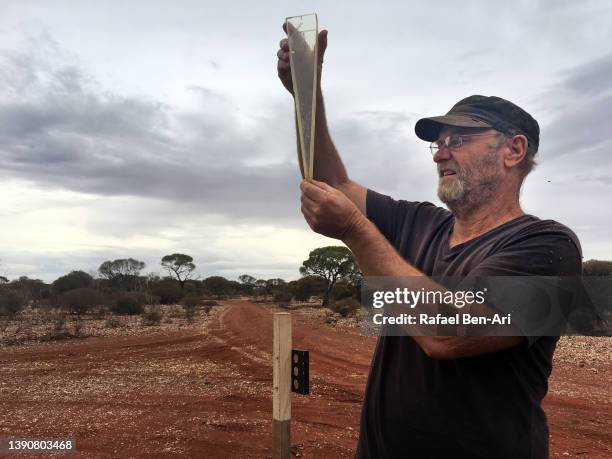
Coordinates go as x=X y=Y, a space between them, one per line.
x=465 y=193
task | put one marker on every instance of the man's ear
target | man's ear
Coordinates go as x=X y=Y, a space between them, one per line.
x=516 y=150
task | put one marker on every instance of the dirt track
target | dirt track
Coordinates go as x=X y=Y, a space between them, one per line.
x=206 y=393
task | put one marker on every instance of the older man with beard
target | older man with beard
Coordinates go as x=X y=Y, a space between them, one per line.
x=449 y=396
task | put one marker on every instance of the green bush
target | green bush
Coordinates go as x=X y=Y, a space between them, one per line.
x=10 y=303
x=151 y=317
x=80 y=300
x=342 y=291
x=345 y=307
x=209 y=303
x=190 y=312
x=330 y=320
x=129 y=303
x=307 y=287
x=168 y=291
x=72 y=281
x=191 y=301
x=282 y=297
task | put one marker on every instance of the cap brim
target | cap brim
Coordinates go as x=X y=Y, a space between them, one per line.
x=429 y=128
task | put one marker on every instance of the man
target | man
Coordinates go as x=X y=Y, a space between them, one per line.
x=448 y=396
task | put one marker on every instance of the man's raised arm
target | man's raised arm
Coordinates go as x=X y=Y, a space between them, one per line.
x=328 y=166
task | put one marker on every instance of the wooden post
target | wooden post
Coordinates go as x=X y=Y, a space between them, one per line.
x=281 y=390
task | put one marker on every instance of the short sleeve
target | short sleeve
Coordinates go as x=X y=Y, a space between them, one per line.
x=549 y=252
x=526 y=268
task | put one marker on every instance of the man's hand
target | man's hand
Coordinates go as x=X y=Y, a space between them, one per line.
x=283 y=65
x=328 y=211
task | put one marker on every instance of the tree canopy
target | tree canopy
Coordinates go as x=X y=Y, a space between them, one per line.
x=72 y=281
x=179 y=266
x=123 y=272
x=597 y=268
x=247 y=279
x=218 y=285
x=332 y=263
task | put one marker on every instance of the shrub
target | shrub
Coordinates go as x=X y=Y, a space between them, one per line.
x=209 y=303
x=113 y=322
x=307 y=287
x=342 y=291
x=330 y=320
x=10 y=303
x=168 y=291
x=217 y=285
x=190 y=301
x=282 y=297
x=129 y=303
x=151 y=316
x=78 y=327
x=153 y=299
x=59 y=330
x=59 y=324
x=190 y=312
x=80 y=300
x=597 y=268
x=100 y=312
x=72 y=281
x=345 y=307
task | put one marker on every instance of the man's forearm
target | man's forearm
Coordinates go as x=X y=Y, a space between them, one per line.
x=375 y=255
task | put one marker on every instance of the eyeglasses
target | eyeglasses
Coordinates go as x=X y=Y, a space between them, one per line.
x=454 y=141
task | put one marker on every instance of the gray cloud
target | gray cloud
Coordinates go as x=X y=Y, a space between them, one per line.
x=181 y=176
x=59 y=128
x=592 y=78
x=583 y=99
x=383 y=153
x=572 y=184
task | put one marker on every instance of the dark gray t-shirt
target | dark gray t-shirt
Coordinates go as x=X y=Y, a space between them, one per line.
x=475 y=407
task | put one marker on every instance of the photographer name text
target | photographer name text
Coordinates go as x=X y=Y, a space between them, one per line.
x=440 y=319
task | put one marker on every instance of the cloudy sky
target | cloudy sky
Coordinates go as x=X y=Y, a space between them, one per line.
x=142 y=128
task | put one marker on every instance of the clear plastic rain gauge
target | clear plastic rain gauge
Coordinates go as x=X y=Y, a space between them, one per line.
x=302 y=32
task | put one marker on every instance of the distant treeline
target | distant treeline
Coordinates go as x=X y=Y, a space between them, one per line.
x=330 y=273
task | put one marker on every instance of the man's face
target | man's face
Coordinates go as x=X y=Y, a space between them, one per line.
x=471 y=174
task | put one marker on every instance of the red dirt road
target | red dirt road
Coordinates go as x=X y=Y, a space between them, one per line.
x=207 y=393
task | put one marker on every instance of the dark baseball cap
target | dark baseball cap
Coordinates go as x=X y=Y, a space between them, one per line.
x=482 y=112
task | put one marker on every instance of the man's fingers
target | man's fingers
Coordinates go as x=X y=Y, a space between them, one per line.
x=282 y=66
x=311 y=191
x=307 y=212
x=322 y=185
x=310 y=203
x=322 y=44
x=289 y=28
x=298 y=43
x=282 y=55
x=316 y=190
x=309 y=217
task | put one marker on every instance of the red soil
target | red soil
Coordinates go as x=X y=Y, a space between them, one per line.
x=207 y=393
